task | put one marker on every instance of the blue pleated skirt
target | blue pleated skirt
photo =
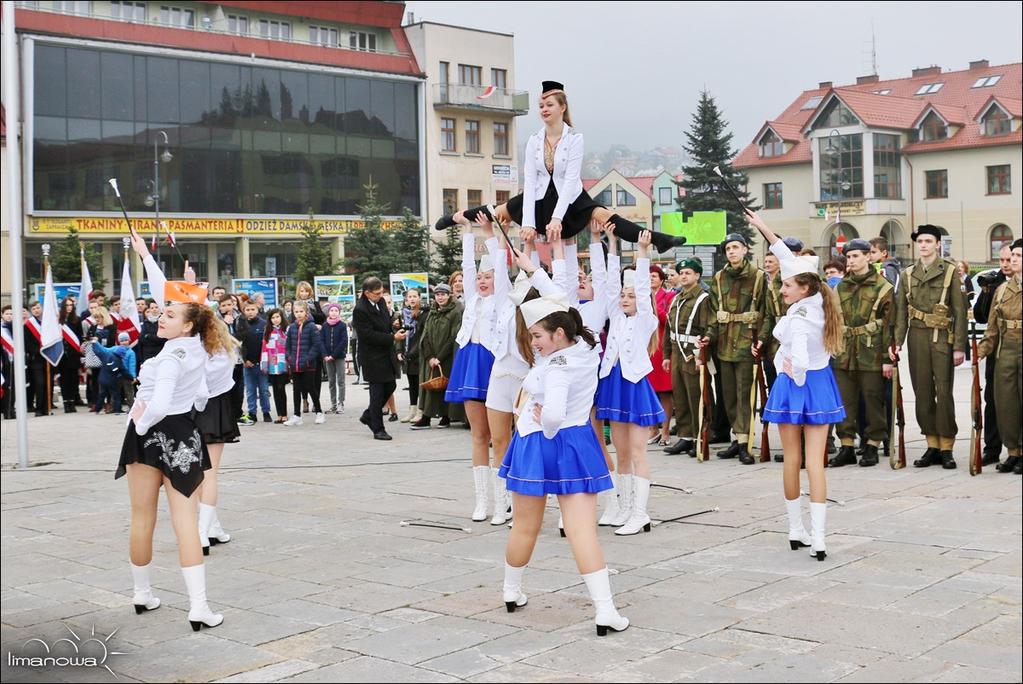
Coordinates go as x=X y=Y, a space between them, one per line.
x=470 y=374
x=571 y=463
x=627 y=402
x=817 y=402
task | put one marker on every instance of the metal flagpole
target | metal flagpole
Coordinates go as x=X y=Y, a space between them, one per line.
x=49 y=368
x=12 y=105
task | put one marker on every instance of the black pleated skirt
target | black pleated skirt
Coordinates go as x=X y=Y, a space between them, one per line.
x=577 y=216
x=174 y=446
x=217 y=421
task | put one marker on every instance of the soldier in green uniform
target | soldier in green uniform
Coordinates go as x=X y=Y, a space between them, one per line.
x=688 y=318
x=1004 y=339
x=868 y=309
x=738 y=299
x=930 y=317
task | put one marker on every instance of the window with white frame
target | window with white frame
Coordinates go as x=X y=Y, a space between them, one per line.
x=271 y=28
x=78 y=7
x=986 y=81
x=238 y=24
x=323 y=35
x=360 y=40
x=177 y=16
x=128 y=11
x=928 y=88
x=664 y=196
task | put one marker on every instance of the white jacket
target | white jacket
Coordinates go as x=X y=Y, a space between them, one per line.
x=800 y=331
x=629 y=336
x=593 y=312
x=564 y=385
x=170 y=383
x=568 y=166
x=479 y=311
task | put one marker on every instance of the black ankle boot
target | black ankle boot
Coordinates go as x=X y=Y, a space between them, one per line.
x=682 y=446
x=443 y=223
x=846 y=456
x=1009 y=465
x=730 y=452
x=745 y=457
x=869 y=456
x=1018 y=470
x=948 y=462
x=930 y=457
x=990 y=459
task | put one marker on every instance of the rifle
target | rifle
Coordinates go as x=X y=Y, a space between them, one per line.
x=765 y=442
x=977 y=434
x=897 y=458
x=706 y=408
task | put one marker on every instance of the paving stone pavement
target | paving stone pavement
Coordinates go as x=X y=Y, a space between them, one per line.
x=321 y=582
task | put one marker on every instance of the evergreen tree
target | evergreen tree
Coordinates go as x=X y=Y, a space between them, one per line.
x=66 y=261
x=412 y=244
x=370 y=251
x=313 y=254
x=449 y=254
x=709 y=144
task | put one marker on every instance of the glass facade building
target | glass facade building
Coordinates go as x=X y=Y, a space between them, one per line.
x=246 y=139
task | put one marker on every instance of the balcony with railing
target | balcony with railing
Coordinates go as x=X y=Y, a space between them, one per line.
x=480 y=98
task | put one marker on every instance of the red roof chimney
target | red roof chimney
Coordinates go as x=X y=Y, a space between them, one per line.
x=979 y=64
x=932 y=70
x=872 y=78
x=824 y=84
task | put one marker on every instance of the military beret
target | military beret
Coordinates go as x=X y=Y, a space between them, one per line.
x=857 y=244
x=734 y=237
x=926 y=229
x=694 y=264
x=793 y=243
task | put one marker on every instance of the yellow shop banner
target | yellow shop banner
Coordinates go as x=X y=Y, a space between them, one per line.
x=200 y=226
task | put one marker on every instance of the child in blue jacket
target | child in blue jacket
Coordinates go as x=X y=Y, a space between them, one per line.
x=118 y=370
x=303 y=349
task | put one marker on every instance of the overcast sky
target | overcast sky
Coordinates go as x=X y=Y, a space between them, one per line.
x=633 y=71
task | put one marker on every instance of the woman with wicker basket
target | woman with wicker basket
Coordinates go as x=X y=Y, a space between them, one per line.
x=436 y=356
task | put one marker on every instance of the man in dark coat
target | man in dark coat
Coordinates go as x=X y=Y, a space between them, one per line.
x=377 y=355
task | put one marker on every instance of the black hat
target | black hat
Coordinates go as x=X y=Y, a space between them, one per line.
x=926 y=229
x=857 y=244
x=548 y=86
x=793 y=243
x=734 y=237
x=1017 y=243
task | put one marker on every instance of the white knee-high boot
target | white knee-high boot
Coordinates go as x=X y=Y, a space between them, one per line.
x=818 y=521
x=639 y=520
x=599 y=585
x=481 y=480
x=502 y=500
x=798 y=536
x=143 y=598
x=215 y=532
x=199 y=613
x=625 y=500
x=206 y=513
x=513 y=596
x=610 y=513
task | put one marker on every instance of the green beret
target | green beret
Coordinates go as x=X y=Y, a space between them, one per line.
x=694 y=264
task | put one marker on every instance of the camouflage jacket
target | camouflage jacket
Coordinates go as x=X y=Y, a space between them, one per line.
x=931 y=298
x=868 y=312
x=776 y=309
x=1004 y=325
x=738 y=302
x=679 y=346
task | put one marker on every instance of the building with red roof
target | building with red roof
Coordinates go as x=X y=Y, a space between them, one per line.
x=881 y=157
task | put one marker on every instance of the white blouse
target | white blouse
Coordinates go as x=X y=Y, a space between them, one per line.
x=593 y=312
x=171 y=382
x=800 y=331
x=220 y=373
x=629 y=336
x=563 y=384
x=478 y=316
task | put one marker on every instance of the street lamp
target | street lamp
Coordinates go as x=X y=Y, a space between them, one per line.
x=153 y=199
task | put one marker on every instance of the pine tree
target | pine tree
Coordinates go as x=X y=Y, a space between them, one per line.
x=709 y=145
x=370 y=251
x=66 y=261
x=313 y=254
x=411 y=244
x=449 y=254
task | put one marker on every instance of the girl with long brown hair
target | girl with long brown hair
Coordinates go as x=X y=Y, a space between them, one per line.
x=553 y=201
x=805 y=400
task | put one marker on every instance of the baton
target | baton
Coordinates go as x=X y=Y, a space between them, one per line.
x=131 y=229
x=731 y=190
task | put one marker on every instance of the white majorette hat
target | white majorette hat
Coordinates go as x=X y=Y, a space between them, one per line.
x=520 y=289
x=629 y=278
x=799 y=264
x=486 y=264
x=537 y=309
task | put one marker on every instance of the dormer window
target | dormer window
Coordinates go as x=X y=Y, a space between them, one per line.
x=771 y=145
x=929 y=88
x=933 y=128
x=997 y=122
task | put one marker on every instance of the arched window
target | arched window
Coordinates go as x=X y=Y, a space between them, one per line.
x=1001 y=234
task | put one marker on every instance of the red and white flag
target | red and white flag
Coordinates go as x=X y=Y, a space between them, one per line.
x=51 y=340
x=85 y=290
x=487 y=92
x=128 y=318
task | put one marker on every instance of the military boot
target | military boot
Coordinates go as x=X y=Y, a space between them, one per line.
x=730 y=452
x=869 y=456
x=745 y=457
x=947 y=461
x=845 y=456
x=931 y=457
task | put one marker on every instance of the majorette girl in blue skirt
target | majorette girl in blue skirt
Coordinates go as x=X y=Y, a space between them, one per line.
x=624 y=395
x=805 y=398
x=555 y=451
